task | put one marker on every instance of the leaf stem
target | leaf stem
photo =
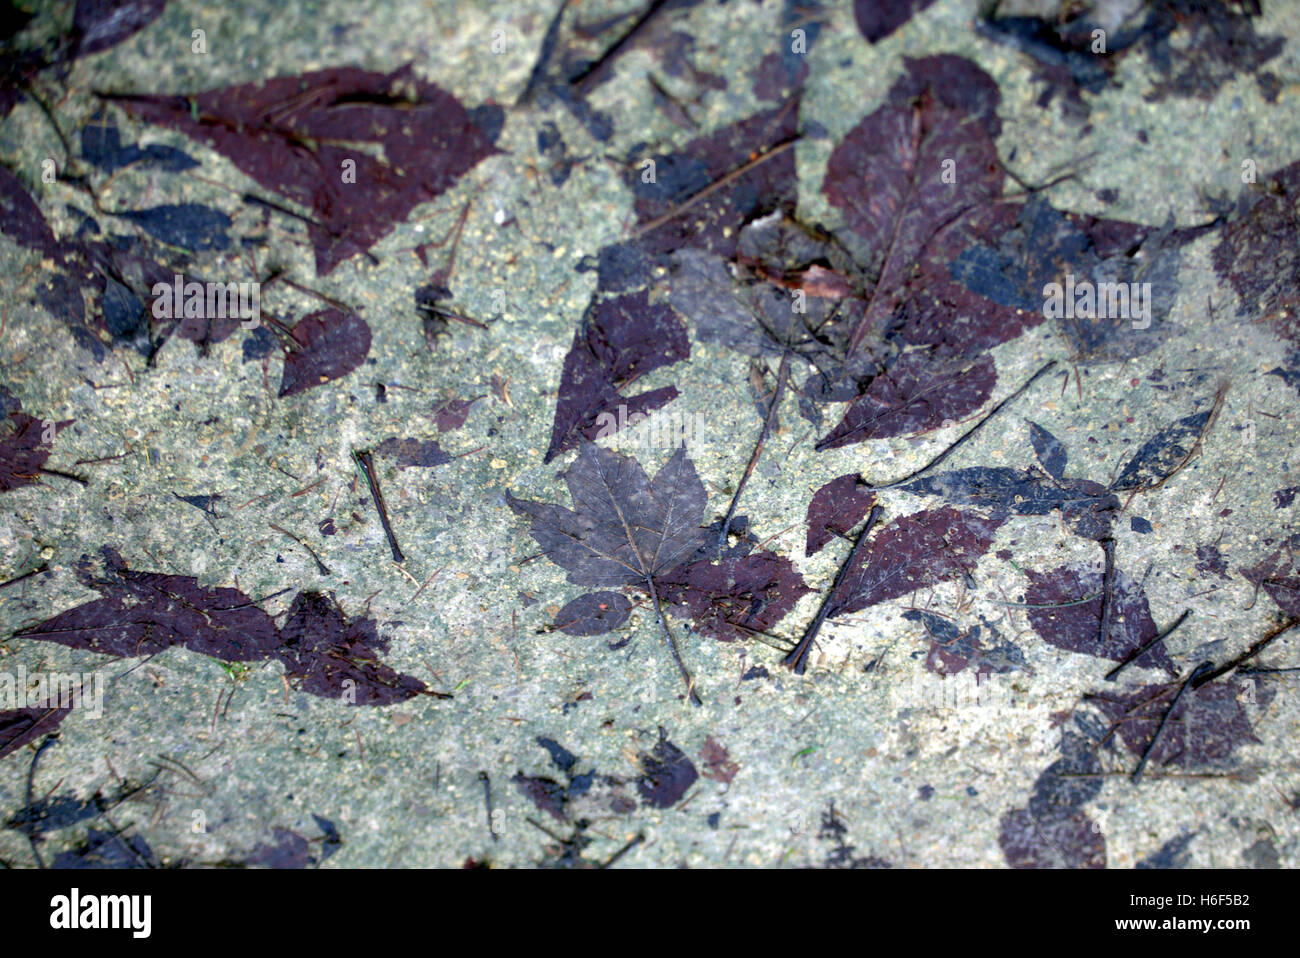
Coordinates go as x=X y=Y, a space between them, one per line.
x=672 y=642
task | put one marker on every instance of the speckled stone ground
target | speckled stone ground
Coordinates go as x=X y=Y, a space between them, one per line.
x=915 y=783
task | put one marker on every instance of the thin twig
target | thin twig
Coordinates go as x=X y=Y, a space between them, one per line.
x=796 y=659
x=367 y=468
x=1145 y=646
x=915 y=474
x=781 y=375
x=1164 y=719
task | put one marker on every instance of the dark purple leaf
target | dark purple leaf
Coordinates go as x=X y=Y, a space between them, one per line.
x=101 y=146
x=914 y=552
x=953 y=649
x=593 y=614
x=331 y=343
x=1087 y=508
x=1057 y=614
x=666 y=774
x=327 y=654
x=877 y=19
x=1049 y=450
x=1257 y=253
x=413 y=453
x=1071 y=840
x=22 y=450
x=20 y=726
x=188 y=225
x=1279 y=576
x=290 y=850
x=836 y=508
x=408 y=141
x=734 y=598
x=915 y=395
x=620 y=339
x=101 y=24
x=144 y=613
x=108 y=849
x=452 y=414
x=1204 y=729
x=718 y=765
x=1164 y=453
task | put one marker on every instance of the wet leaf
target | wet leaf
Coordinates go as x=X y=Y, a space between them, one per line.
x=327 y=654
x=620 y=339
x=20 y=726
x=836 y=508
x=408 y=142
x=23 y=451
x=593 y=614
x=914 y=552
x=1058 y=615
x=331 y=343
x=666 y=774
x=734 y=598
x=1060 y=841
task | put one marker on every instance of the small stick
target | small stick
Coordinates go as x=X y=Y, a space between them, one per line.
x=796 y=659
x=624 y=850
x=1249 y=654
x=63 y=475
x=1142 y=649
x=487 y=801
x=1200 y=670
x=585 y=79
x=974 y=429
x=1107 y=591
x=781 y=375
x=367 y=467
x=26 y=575
x=323 y=569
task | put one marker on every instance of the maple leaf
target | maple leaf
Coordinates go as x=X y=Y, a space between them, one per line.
x=294 y=135
x=628 y=530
